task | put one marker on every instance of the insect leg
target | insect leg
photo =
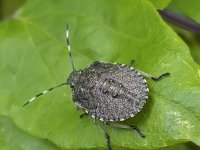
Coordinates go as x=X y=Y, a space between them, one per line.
x=107 y=137
x=150 y=76
x=131 y=62
x=154 y=78
x=116 y=125
x=82 y=115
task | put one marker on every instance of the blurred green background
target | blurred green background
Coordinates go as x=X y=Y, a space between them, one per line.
x=9 y=7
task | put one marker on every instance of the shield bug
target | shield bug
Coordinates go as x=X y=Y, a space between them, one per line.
x=108 y=92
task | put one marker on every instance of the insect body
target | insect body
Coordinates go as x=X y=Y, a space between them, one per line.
x=108 y=92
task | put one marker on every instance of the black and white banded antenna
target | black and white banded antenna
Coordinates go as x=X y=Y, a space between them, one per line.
x=42 y=93
x=69 y=48
x=65 y=83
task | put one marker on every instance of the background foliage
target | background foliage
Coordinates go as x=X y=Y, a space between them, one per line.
x=33 y=57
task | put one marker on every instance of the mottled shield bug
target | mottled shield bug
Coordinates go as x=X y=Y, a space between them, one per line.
x=108 y=92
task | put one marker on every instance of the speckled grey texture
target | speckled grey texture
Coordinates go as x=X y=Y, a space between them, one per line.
x=109 y=92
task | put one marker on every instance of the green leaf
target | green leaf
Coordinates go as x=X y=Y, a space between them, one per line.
x=33 y=56
x=14 y=138
x=160 y=4
x=183 y=146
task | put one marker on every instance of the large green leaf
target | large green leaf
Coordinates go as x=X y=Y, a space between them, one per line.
x=33 y=56
x=183 y=146
x=160 y=4
x=13 y=138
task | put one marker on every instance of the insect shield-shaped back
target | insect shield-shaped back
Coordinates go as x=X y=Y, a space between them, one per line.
x=109 y=92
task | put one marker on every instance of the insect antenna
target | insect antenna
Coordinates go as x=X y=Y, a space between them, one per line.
x=65 y=83
x=42 y=93
x=69 y=48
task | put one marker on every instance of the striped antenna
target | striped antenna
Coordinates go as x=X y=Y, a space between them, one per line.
x=42 y=93
x=69 y=48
